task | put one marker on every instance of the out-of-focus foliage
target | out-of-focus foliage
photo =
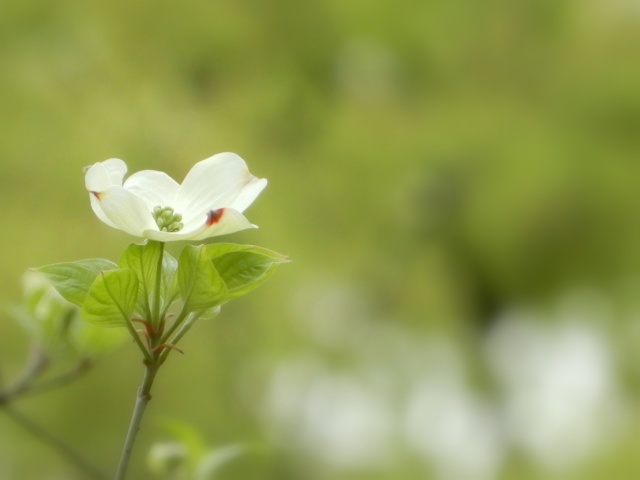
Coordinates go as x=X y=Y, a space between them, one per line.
x=455 y=182
x=188 y=457
x=55 y=326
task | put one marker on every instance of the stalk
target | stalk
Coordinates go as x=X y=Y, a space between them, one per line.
x=142 y=400
x=155 y=312
x=152 y=364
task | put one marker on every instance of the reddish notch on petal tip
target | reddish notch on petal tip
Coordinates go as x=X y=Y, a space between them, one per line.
x=214 y=216
x=96 y=194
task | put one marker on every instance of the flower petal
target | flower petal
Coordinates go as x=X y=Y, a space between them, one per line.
x=217 y=222
x=217 y=182
x=125 y=211
x=96 y=206
x=223 y=222
x=211 y=199
x=248 y=194
x=155 y=188
x=103 y=175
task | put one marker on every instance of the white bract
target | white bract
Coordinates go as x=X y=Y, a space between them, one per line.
x=150 y=204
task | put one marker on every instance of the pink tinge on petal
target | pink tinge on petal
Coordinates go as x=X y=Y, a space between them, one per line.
x=214 y=216
x=123 y=210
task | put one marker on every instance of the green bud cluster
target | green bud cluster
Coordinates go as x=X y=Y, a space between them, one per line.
x=167 y=220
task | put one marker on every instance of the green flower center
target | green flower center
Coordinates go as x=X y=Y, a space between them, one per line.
x=167 y=220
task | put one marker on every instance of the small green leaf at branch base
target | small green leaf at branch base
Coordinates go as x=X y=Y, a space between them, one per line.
x=112 y=298
x=74 y=279
x=209 y=313
x=243 y=267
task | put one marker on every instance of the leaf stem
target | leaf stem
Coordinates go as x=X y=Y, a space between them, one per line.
x=142 y=400
x=26 y=385
x=136 y=338
x=176 y=323
x=33 y=388
x=35 y=365
x=55 y=443
x=191 y=318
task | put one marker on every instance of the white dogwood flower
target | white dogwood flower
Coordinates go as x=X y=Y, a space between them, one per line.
x=150 y=204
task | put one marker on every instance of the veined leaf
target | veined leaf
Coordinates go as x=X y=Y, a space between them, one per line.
x=112 y=298
x=200 y=285
x=243 y=267
x=169 y=277
x=74 y=279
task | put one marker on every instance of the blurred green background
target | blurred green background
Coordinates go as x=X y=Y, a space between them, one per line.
x=456 y=182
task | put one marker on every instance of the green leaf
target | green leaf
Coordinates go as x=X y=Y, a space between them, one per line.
x=112 y=298
x=142 y=259
x=56 y=324
x=215 y=250
x=169 y=277
x=46 y=316
x=210 y=464
x=74 y=279
x=93 y=340
x=199 y=283
x=209 y=313
x=243 y=267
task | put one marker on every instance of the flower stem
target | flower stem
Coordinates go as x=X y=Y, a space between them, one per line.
x=155 y=312
x=142 y=400
x=152 y=363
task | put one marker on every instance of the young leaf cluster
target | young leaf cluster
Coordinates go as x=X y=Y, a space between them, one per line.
x=150 y=287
